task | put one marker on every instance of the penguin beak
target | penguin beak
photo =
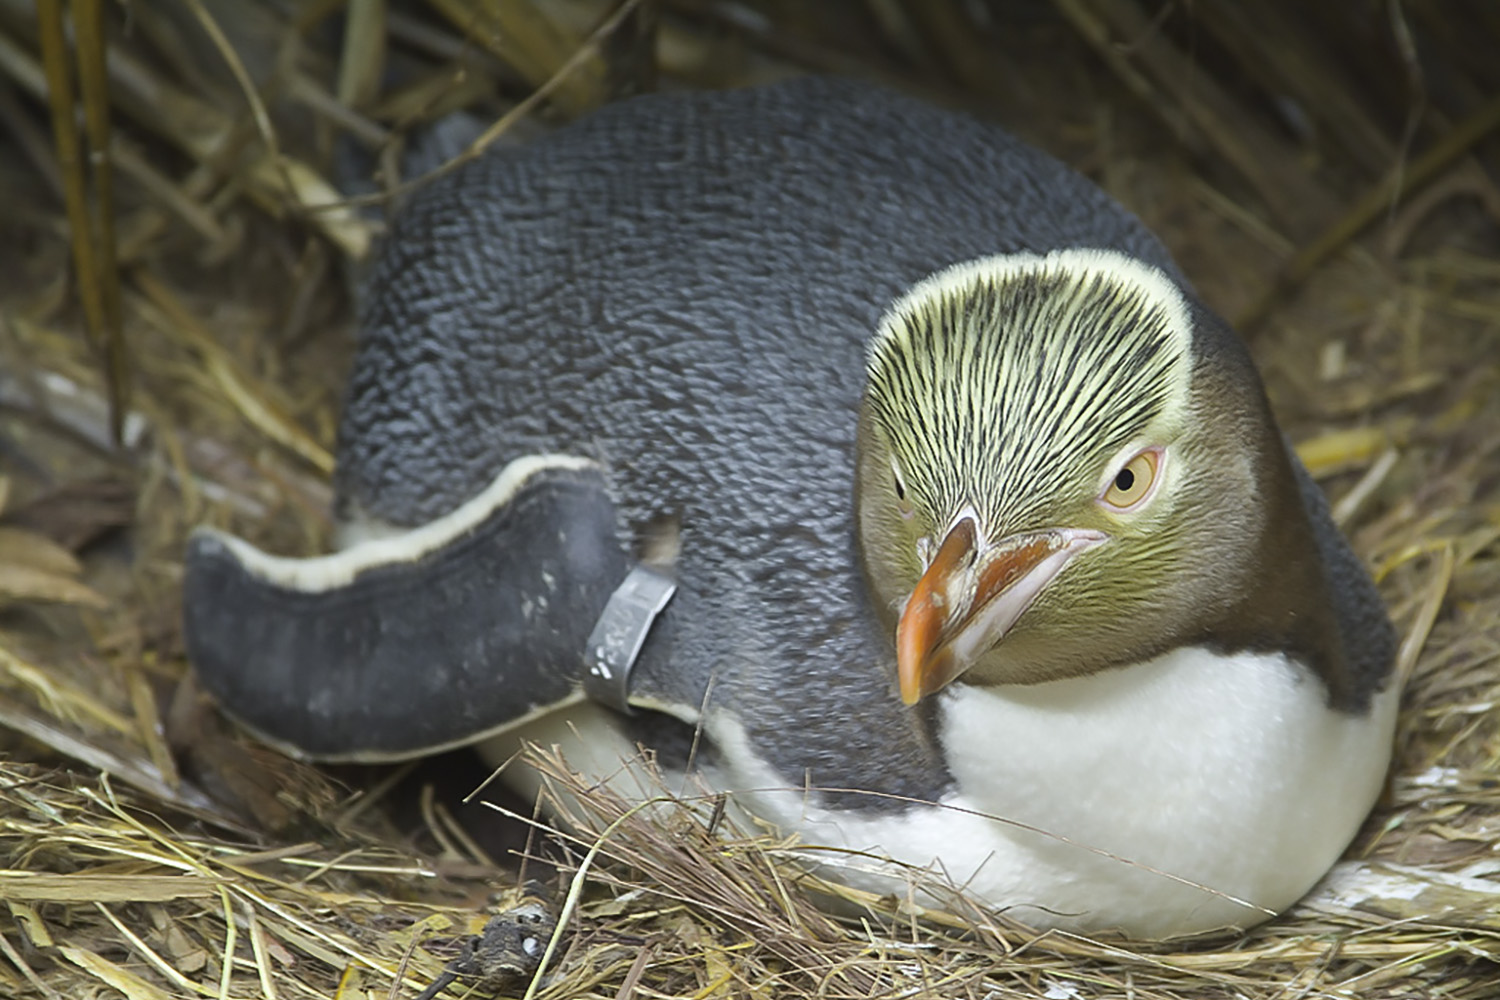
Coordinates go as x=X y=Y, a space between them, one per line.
x=970 y=596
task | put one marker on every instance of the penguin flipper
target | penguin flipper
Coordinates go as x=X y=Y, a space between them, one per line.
x=401 y=646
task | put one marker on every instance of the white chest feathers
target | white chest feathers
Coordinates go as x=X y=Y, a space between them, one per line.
x=1193 y=792
x=1190 y=793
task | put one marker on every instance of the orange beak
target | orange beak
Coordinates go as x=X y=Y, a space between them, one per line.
x=966 y=588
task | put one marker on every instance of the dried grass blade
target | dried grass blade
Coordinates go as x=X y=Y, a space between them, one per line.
x=1338 y=450
x=1410 y=895
x=93 y=79
x=20 y=547
x=9 y=951
x=345 y=948
x=362 y=62
x=92 y=255
x=70 y=746
x=521 y=34
x=83 y=887
x=1289 y=63
x=149 y=728
x=258 y=112
x=226 y=956
x=575 y=889
x=31 y=923
x=107 y=972
x=176 y=200
x=580 y=57
x=59 y=696
x=1421 y=626
x=262 y=959
x=256 y=409
x=1369 y=207
x=26 y=583
x=158 y=963
x=277 y=178
x=1350 y=503
x=636 y=971
x=209 y=136
x=1193 y=103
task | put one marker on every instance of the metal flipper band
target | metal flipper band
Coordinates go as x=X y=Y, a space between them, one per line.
x=621 y=632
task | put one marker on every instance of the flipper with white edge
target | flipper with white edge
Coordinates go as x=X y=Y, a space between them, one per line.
x=391 y=649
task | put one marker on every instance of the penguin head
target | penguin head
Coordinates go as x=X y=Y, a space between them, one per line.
x=1050 y=480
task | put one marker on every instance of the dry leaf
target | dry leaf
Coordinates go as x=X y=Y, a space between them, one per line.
x=19 y=547
x=187 y=956
x=23 y=583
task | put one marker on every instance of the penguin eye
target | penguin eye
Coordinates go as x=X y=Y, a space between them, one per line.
x=1133 y=483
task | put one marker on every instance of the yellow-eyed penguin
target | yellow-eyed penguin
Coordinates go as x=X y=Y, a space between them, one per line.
x=884 y=449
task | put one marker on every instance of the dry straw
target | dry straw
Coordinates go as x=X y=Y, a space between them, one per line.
x=174 y=280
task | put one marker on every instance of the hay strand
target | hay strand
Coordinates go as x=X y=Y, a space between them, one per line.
x=1382 y=198
x=91 y=209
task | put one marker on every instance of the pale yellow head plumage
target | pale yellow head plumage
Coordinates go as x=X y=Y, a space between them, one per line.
x=1010 y=399
x=1081 y=348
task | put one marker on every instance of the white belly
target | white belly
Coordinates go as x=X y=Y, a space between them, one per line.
x=1160 y=796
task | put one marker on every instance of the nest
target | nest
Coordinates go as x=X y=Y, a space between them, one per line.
x=174 y=325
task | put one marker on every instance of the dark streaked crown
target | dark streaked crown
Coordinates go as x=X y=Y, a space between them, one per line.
x=1016 y=378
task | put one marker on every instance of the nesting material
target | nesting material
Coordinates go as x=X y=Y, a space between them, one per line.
x=1317 y=178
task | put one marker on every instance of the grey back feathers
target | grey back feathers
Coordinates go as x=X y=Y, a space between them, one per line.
x=683 y=287
x=679 y=264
